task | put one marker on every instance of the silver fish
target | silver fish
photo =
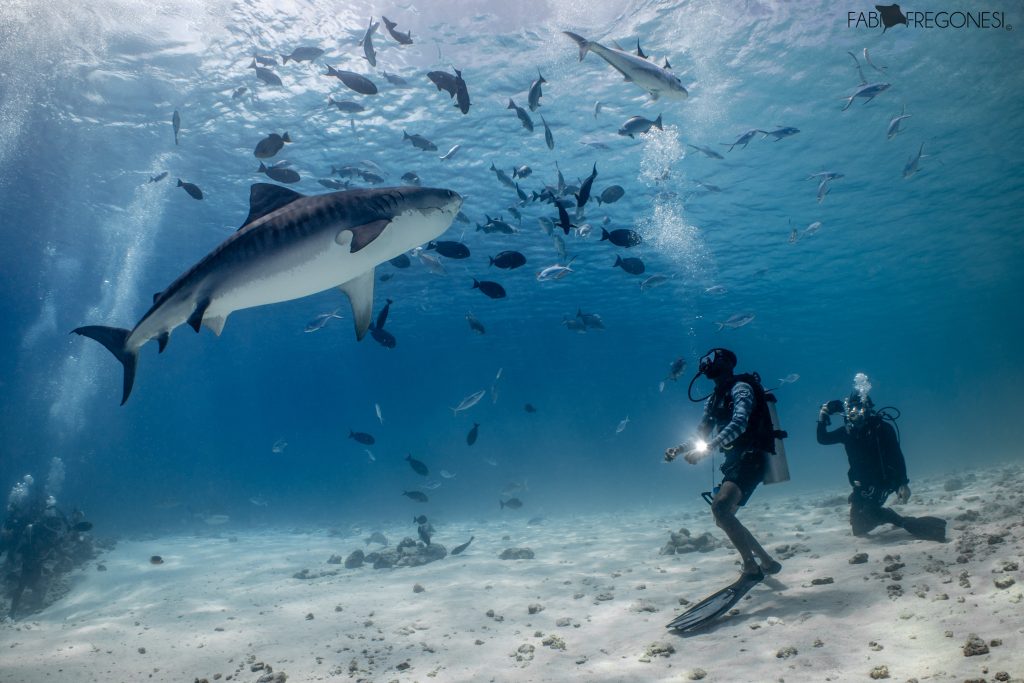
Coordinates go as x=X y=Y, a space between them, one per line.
x=622 y=425
x=913 y=163
x=450 y=153
x=319 y=321
x=469 y=402
x=736 y=321
x=894 y=124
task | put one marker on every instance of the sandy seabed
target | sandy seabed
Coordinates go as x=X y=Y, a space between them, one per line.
x=590 y=606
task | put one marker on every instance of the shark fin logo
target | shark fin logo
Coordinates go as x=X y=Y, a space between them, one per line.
x=891 y=15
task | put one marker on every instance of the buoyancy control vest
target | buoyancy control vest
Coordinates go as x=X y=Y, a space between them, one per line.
x=760 y=433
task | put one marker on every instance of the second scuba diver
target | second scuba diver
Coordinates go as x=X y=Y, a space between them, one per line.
x=877 y=468
x=738 y=410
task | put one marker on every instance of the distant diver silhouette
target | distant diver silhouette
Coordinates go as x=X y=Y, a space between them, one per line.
x=891 y=15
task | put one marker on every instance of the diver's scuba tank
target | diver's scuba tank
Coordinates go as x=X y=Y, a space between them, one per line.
x=776 y=466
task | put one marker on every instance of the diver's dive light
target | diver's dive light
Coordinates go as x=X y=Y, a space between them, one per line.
x=700 y=445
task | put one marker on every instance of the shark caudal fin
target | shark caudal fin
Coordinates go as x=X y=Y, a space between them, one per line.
x=114 y=338
x=583 y=43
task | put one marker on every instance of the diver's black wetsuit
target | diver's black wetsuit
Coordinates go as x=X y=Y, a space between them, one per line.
x=877 y=469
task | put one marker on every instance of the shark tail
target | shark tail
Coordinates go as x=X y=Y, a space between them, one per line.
x=581 y=41
x=721 y=326
x=114 y=339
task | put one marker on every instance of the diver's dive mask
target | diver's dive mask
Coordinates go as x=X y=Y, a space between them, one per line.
x=713 y=364
x=856 y=410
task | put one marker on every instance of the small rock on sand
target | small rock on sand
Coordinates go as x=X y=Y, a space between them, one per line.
x=975 y=646
x=786 y=652
x=859 y=558
x=659 y=648
x=880 y=672
x=355 y=559
x=417 y=588
x=535 y=608
x=516 y=554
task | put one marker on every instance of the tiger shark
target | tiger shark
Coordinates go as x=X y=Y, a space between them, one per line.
x=290 y=246
x=651 y=77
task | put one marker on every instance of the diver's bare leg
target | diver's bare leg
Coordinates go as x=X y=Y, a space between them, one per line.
x=723 y=507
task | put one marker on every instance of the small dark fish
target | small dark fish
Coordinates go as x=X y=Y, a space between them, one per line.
x=529 y=408
x=633 y=266
x=176 y=123
x=280 y=174
x=347 y=106
x=158 y=177
x=362 y=437
x=676 y=369
x=457 y=550
x=444 y=81
x=511 y=503
x=377 y=331
x=535 y=92
x=401 y=261
x=549 y=139
x=396 y=80
x=423 y=531
x=369 y=54
x=524 y=116
x=475 y=324
x=156 y=559
x=302 y=54
x=622 y=237
x=491 y=289
x=239 y=91
x=638 y=125
x=707 y=151
x=502 y=176
x=508 y=260
x=192 y=190
x=471 y=437
x=265 y=61
x=563 y=218
x=382 y=317
x=411 y=178
x=383 y=337
x=385 y=277
x=333 y=184
x=589 y=320
x=371 y=177
x=402 y=38
x=420 y=142
x=523 y=197
x=461 y=93
x=352 y=80
x=450 y=249
x=523 y=171
x=417 y=466
x=610 y=195
x=584 y=194
x=265 y=75
x=743 y=139
x=418 y=496
x=420 y=519
x=270 y=145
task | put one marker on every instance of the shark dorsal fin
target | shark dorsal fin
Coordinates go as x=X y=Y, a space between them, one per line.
x=266 y=198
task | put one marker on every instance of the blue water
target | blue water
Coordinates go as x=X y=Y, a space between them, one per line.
x=915 y=281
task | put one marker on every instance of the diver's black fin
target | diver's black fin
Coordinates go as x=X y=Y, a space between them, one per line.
x=926 y=528
x=715 y=605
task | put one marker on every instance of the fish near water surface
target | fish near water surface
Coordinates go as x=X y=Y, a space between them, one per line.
x=651 y=77
x=290 y=246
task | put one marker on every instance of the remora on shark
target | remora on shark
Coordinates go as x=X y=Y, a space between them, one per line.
x=290 y=246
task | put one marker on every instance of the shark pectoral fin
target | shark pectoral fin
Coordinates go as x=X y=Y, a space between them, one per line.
x=361 y=235
x=162 y=340
x=265 y=198
x=216 y=324
x=359 y=291
x=196 y=319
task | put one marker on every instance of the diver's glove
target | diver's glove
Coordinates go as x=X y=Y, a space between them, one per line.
x=823 y=415
x=671 y=453
x=903 y=494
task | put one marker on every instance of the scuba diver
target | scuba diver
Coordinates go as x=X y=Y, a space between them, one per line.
x=877 y=468
x=36 y=535
x=739 y=409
